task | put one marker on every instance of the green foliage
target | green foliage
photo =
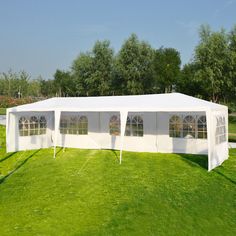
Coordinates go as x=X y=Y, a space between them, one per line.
x=232 y=48
x=87 y=192
x=212 y=73
x=166 y=67
x=93 y=71
x=188 y=83
x=134 y=66
x=14 y=84
x=102 y=64
x=64 y=84
x=232 y=124
x=81 y=71
x=2 y=111
x=47 y=87
x=19 y=85
x=212 y=56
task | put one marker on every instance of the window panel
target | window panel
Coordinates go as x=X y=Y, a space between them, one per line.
x=114 y=125
x=220 y=130
x=33 y=125
x=189 y=127
x=201 y=127
x=134 y=126
x=73 y=124
x=175 y=126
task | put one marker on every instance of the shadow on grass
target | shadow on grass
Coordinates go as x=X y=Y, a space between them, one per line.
x=58 y=150
x=8 y=156
x=223 y=175
x=115 y=154
x=196 y=160
x=18 y=167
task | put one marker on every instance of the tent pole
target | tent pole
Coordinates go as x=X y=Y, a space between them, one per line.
x=57 y=115
x=7 y=130
x=209 y=136
x=123 y=119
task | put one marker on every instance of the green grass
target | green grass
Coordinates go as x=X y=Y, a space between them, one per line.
x=86 y=192
x=3 y=111
x=232 y=128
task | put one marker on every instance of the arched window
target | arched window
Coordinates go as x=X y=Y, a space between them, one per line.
x=134 y=126
x=220 y=130
x=175 y=127
x=64 y=124
x=114 y=125
x=128 y=127
x=33 y=125
x=137 y=126
x=189 y=127
x=23 y=126
x=73 y=124
x=202 y=127
x=83 y=125
x=42 y=125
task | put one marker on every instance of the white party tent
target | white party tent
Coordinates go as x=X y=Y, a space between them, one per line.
x=169 y=123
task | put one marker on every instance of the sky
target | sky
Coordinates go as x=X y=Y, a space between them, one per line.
x=40 y=36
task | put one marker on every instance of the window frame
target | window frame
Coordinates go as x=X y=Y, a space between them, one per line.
x=203 y=123
x=174 y=124
x=31 y=125
x=195 y=126
x=72 y=124
x=130 y=131
x=220 y=134
x=115 y=130
x=190 y=123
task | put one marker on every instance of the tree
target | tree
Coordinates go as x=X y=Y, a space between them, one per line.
x=47 y=87
x=134 y=66
x=81 y=72
x=232 y=51
x=34 y=88
x=64 y=83
x=93 y=71
x=14 y=84
x=212 y=58
x=166 y=67
x=22 y=83
x=102 y=65
x=187 y=82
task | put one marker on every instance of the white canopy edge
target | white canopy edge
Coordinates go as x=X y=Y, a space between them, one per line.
x=172 y=109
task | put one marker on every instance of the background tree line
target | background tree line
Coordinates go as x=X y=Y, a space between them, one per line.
x=138 y=68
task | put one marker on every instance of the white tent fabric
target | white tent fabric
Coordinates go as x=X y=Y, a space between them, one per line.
x=173 y=102
x=152 y=102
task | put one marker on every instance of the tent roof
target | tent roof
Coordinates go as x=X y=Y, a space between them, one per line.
x=153 y=102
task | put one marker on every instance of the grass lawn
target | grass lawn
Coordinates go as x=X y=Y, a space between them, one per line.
x=232 y=128
x=86 y=192
x=2 y=111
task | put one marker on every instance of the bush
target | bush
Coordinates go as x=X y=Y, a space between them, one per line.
x=6 y=102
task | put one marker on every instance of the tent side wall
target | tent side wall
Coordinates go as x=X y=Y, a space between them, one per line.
x=167 y=144
x=87 y=141
x=16 y=142
x=218 y=151
x=11 y=142
x=155 y=139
